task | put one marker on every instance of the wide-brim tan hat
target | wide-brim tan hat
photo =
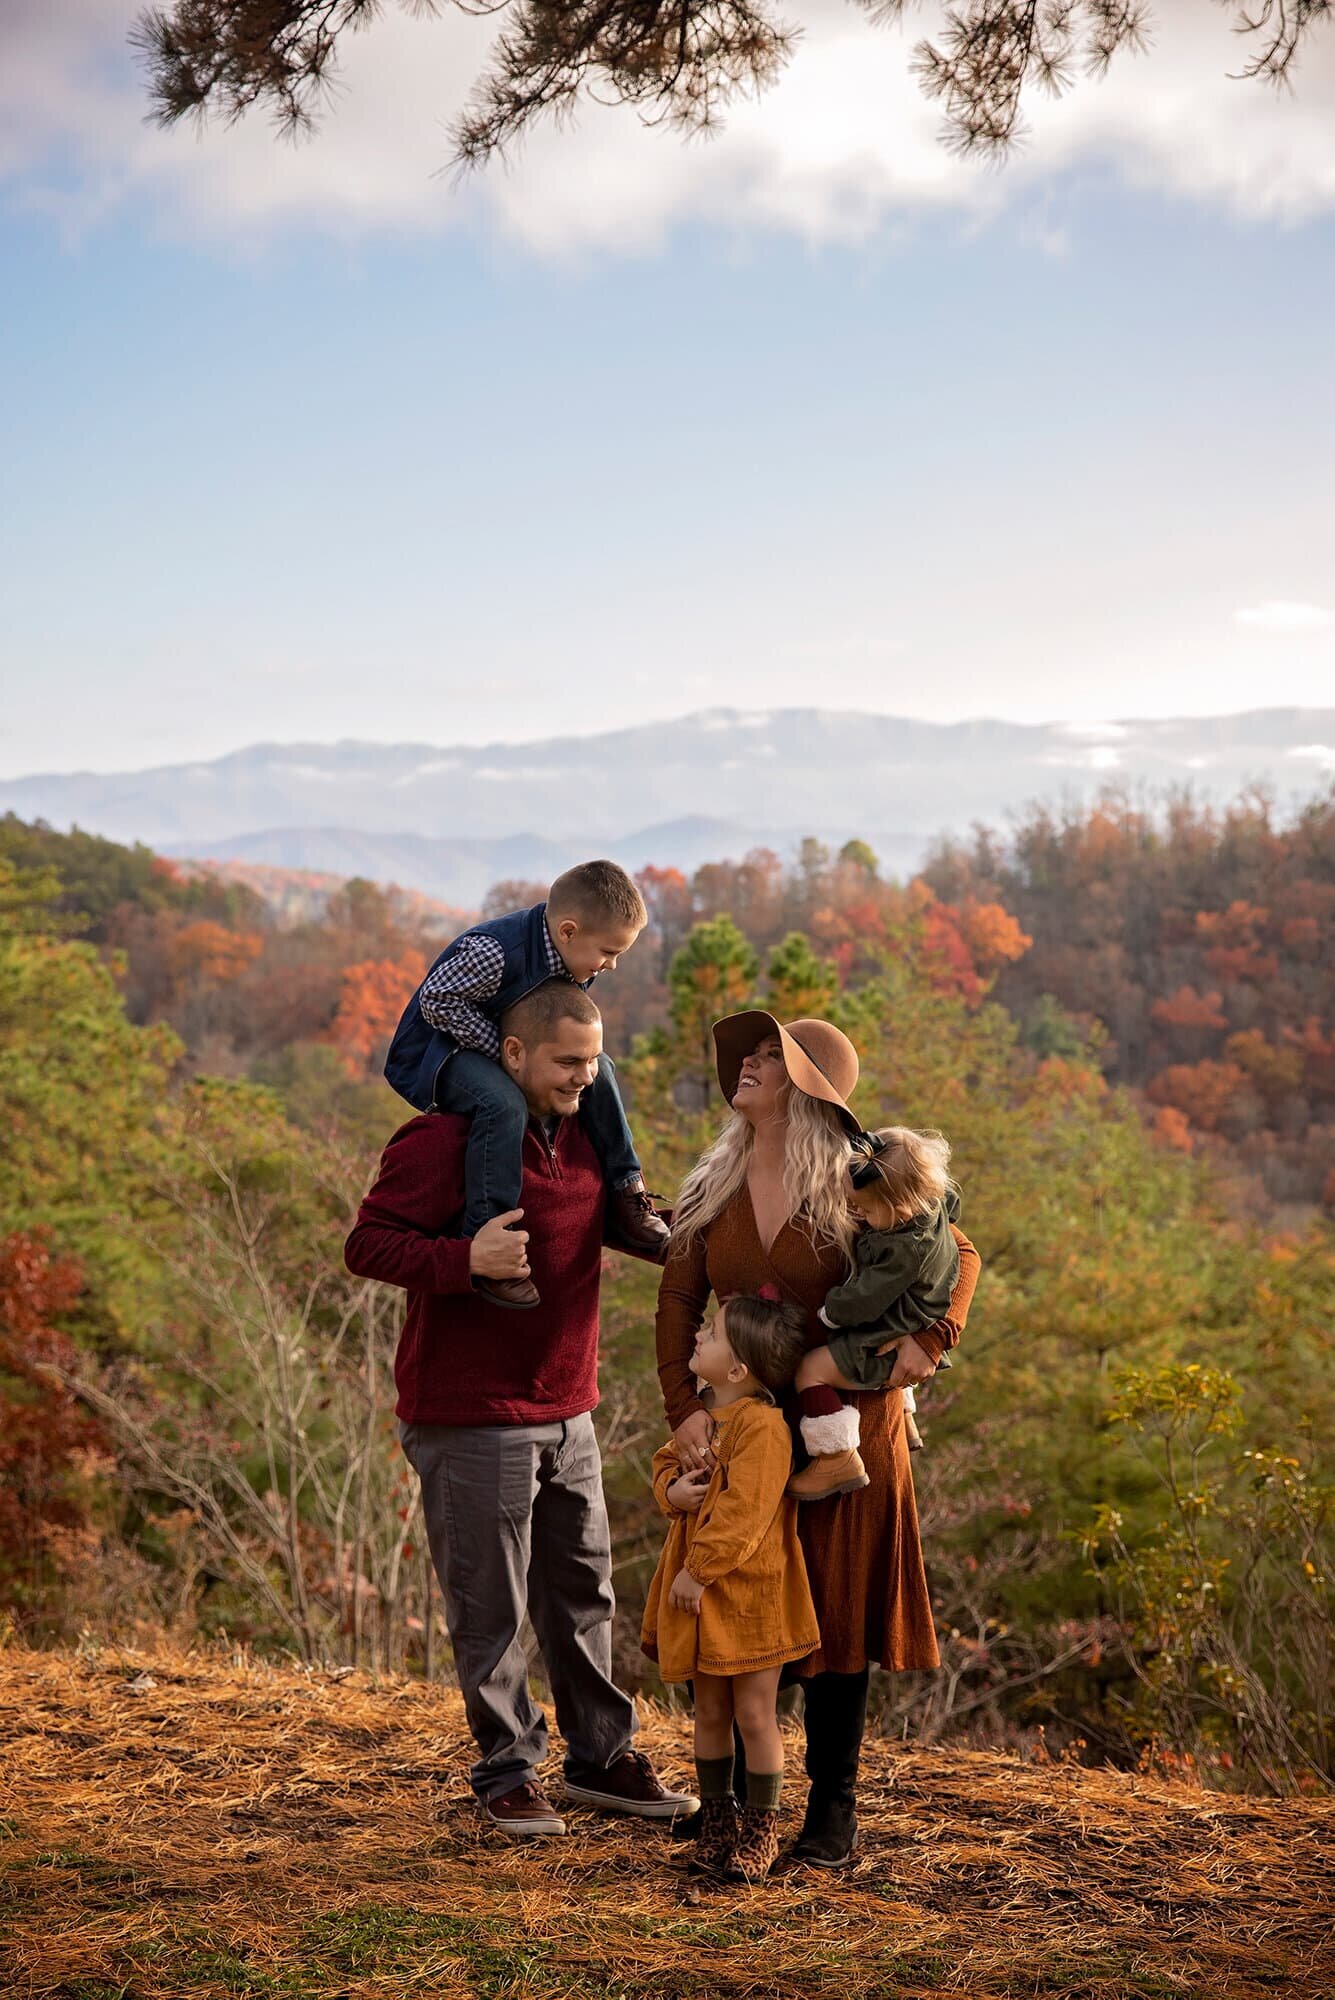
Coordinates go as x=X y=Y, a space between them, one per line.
x=821 y=1060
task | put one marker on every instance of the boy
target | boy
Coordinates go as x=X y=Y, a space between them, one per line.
x=446 y=1049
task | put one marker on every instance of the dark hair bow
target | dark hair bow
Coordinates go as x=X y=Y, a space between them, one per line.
x=862 y=1168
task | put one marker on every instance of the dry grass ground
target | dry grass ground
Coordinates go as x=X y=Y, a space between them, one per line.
x=177 y=1827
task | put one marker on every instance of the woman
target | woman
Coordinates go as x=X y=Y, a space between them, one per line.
x=767 y=1204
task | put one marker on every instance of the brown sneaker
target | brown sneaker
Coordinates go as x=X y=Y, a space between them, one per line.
x=717 y=1837
x=631 y=1785
x=631 y=1212
x=524 y=1812
x=757 y=1846
x=841 y=1472
x=513 y=1292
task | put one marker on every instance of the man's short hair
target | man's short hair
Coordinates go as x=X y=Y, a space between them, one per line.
x=535 y=1018
x=597 y=890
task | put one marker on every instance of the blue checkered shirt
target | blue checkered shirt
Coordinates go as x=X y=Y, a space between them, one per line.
x=455 y=992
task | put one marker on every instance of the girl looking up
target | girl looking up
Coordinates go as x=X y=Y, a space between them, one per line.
x=729 y=1605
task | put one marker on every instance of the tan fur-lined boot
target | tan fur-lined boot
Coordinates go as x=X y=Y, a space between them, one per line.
x=836 y=1464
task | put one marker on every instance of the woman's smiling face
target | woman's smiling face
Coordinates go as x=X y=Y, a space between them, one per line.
x=762 y=1087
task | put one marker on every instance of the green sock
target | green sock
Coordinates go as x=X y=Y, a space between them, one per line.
x=764 y=1789
x=714 y=1777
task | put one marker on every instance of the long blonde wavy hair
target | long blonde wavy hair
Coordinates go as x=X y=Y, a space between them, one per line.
x=815 y=1175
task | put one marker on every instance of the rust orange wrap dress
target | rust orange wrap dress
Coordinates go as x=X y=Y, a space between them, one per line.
x=741 y=1544
x=863 y=1552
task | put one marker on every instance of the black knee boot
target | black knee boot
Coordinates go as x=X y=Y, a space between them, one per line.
x=836 y=1714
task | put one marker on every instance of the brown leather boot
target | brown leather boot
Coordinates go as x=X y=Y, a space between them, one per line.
x=514 y=1292
x=631 y=1211
x=757 y=1846
x=841 y=1472
x=714 y=1843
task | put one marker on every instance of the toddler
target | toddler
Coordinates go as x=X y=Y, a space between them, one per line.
x=446 y=1049
x=906 y=1264
x=730 y=1602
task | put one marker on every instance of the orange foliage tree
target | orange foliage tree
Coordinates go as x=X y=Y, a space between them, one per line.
x=372 y=996
x=210 y=951
x=1204 y=1092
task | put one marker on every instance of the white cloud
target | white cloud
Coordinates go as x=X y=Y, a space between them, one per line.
x=1101 y=758
x=431 y=769
x=310 y=773
x=1316 y=753
x=1279 y=614
x=503 y=775
x=842 y=147
x=1096 y=732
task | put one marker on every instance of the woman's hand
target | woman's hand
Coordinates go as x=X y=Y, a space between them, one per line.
x=686 y=1593
x=914 y=1364
x=686 y=1493
x=694 y=1440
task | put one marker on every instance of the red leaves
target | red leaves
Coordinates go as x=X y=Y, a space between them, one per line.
x=48 y=1444
x=1189 y=1009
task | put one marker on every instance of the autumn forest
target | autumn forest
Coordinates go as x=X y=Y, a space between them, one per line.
x=1123 y=1017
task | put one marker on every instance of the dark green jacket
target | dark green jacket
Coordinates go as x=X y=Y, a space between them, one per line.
x=904 y=1276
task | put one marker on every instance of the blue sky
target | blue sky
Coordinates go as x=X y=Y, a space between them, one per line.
x=298 y=447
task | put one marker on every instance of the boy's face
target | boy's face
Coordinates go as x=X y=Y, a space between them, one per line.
x=712 y=1359
x=554 y=1074
x=592 y=947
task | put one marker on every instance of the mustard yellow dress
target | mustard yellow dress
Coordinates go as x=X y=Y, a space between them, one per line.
x=742 y=1545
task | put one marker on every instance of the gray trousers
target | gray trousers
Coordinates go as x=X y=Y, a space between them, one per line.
x=517 y=1523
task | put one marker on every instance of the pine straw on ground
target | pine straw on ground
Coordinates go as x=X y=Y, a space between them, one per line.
x=176 y=1827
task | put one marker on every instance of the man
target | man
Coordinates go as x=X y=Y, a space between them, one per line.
x=494 y=1415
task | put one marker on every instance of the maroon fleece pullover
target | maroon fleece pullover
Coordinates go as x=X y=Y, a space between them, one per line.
x=462 y=1360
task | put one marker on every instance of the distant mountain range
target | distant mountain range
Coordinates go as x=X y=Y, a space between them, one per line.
x=450 y=820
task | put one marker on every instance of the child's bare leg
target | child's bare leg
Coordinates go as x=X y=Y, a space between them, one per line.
x=715 y=1775
x=816 y=1370
x=713 y=1716
x=753 y=1700
x=754 y=1703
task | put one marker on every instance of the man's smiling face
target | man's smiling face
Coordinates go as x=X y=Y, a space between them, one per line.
x=554 y=1074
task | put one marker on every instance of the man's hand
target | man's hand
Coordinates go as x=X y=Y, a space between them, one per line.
x=497 y=1251
x=694 y=1439
x=686 y=1492
x=686 y=1593
x=914 y=1365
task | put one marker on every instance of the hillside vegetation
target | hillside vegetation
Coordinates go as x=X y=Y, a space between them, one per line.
x=1126 y=1495
x=179 y=1827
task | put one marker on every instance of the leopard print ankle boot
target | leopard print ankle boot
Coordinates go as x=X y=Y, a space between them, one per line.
x=717 y=1836
x=757 y=1845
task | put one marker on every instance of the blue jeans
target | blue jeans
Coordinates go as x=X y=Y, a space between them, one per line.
x=497 y=1109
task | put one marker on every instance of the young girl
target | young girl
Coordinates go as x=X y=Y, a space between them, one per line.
x=906 y=1264
x=730 y=1603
